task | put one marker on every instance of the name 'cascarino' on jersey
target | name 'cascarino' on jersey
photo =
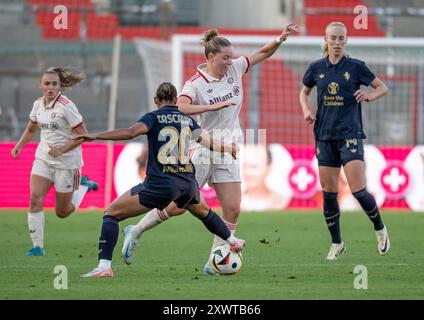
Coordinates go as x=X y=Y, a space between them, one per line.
x=204 y=89
x=169 y=135
x=338 y=116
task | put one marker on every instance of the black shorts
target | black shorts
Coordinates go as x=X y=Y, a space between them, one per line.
x=334 y=153
x=159 y=197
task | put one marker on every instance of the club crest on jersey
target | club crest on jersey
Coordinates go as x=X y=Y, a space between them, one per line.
x=333 y=88
x=230 y=80
x=346 y=75
x=54 y=125
x=321 y=76
x=236 y=90
x=53 y=115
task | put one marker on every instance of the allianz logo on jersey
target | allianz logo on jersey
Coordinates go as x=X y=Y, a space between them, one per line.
x=228 y=96
x=52 y=125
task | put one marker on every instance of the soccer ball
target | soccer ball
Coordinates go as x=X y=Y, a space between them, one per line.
x=224 y=261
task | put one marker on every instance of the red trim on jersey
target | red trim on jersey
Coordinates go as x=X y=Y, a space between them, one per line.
x=248 y=64
x=77 y=125
x=195 y=77
x=204 y=77
x=63 y=101
x=184 y=95
x=55 y=100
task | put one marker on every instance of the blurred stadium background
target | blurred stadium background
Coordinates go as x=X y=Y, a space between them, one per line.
x=160 y=43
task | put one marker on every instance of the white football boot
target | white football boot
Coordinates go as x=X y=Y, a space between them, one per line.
x=129 y=246
x=336 y=250
x=383 y=242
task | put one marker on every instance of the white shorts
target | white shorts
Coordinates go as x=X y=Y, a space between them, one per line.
x=65 y=180
x=209 y=171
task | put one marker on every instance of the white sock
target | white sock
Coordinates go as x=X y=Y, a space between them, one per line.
x=218 y=241
x=231 y=240
x=78 y=196
x=150 y=220
x=36 y=228
x=105 y=264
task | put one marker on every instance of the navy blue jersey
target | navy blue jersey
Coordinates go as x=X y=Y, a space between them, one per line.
x=338 y=116
x=169 y=135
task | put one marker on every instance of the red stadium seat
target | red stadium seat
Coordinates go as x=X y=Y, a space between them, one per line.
x=316 y=23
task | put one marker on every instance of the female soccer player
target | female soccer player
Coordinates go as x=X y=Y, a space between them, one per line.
x=58 y=159
x=215 y=93
x=338 y=130
x=170 y=174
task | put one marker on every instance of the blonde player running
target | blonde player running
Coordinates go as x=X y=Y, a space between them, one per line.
x=58 y=159
x=215 y=93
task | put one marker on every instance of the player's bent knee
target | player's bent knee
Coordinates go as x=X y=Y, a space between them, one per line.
x=116 y=213
x=63 y=213
x=111 y=210
x=175 y=211
x=199 y=210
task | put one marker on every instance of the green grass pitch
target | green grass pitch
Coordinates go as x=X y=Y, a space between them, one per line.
x=284 y=259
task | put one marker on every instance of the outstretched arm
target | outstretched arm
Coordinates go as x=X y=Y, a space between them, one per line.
x=119 y=134
x=269 y=49
x=185 y=106
x=214 y=145
x=56 y=151
x=27 y=136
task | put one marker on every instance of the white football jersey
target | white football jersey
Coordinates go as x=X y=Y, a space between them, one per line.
x=204 y=89
x=56 y=121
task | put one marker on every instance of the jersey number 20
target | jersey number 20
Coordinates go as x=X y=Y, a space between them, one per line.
x=167 y=153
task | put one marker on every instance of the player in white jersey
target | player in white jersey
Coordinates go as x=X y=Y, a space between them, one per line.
x=215 y=94
x=58 y=159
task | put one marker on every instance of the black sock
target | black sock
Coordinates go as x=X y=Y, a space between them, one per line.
x=108 y=237
x=332 y=215
x=367 y=202
x=216 y=225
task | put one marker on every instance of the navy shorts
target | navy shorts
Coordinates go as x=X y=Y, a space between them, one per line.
x=159 y=197
x=334 y=153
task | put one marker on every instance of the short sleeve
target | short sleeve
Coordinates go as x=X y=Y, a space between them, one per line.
x=189 y=91
x=72 y=115
x=148 y=119
x=309 y=78
x=241 y=64
x=33 y=113
x=366 y=76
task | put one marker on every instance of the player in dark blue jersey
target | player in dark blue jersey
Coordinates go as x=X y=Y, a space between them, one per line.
x=338 y=130
x=170 y=174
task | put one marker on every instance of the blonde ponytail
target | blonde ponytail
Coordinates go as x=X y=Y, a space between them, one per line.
x=68 y=77
x=213 y=42
x=324 y=47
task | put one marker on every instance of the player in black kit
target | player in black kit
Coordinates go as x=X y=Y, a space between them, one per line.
x=170 y=174
x=338 y=130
